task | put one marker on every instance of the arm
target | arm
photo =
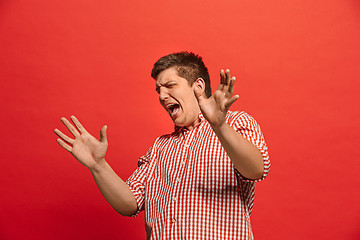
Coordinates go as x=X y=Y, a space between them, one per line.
x=246 y=158
x=91 y=153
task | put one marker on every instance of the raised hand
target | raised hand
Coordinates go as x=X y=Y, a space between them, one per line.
x=215 y=108
x=85 y=148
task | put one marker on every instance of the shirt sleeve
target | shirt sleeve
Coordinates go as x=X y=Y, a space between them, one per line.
x=136 y=181
x=246 y=125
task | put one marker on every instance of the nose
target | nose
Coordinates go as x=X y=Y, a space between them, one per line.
x=163 y=95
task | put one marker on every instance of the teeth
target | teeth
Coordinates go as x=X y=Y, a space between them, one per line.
x=170 y=105
x=172 y=108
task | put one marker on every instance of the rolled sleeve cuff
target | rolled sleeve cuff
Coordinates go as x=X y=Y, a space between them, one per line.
x=135 y=188
x=265 y=172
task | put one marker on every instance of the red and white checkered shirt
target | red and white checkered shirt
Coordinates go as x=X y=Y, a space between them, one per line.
x=189 y=187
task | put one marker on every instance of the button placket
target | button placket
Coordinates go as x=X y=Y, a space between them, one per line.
x=174 y=198
x=187 y=137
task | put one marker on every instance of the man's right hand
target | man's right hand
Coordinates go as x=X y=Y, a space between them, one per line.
x=91 y=153
x=85 y=148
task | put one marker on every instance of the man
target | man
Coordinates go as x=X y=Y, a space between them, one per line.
x=198 y=182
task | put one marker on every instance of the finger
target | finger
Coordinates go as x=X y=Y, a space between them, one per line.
x=78 y=125
x=69 y=126
x=220 y=87
x=64 y=137
x=227 y=77
x=222 y=77
x=64 y=145
x=222 y=80
x=103 y=136
x=231 y=101
x=231 y=86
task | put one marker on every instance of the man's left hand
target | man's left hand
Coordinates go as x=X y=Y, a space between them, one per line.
x=215 y=108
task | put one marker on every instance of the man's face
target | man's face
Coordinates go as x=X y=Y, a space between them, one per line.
x=178 y=98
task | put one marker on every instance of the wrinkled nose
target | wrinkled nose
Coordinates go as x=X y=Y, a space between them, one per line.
x=163 y=95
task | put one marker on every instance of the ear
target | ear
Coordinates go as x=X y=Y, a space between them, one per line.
x=199 y=87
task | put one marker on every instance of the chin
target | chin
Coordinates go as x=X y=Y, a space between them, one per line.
x=179 y=123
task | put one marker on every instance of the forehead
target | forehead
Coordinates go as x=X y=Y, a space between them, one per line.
x=167 y=75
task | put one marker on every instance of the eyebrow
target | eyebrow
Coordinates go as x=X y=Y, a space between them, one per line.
x=159 y=85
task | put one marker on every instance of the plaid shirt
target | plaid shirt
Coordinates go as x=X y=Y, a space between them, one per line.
x=189 y=187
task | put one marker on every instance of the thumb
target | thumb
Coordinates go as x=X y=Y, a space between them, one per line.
x=103 y=137
x=199 y=94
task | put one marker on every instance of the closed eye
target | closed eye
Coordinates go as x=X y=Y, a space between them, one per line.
x=166 y=85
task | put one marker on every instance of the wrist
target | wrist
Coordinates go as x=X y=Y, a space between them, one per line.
x=99 y=166
x=218 y=127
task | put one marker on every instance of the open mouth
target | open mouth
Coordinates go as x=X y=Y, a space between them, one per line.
x=173 y=108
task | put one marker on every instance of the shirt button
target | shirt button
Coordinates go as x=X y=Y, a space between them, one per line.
x=178 y=180
x=186 y=145
x=173 y=220
x=182 y=162
x=174 y=199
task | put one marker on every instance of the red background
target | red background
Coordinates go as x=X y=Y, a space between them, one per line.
x=297 y=65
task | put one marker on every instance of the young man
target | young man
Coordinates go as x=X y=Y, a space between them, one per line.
x=197 y=182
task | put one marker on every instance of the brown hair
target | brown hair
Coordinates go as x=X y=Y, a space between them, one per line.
x=187 y=64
